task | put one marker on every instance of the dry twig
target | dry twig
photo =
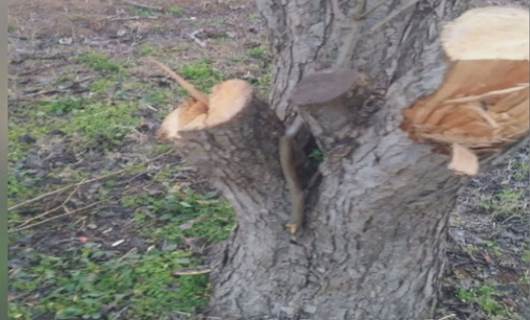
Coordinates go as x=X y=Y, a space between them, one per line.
x=83 y=182
x=56 y=217
x=142 y=6
x=62 y=205
x=193 y=37
x=118 y=18
x=51 y=193
x=191 y=272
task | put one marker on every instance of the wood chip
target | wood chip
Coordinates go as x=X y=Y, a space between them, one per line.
x=464 y=161
x=191 y=272
x=117 y=243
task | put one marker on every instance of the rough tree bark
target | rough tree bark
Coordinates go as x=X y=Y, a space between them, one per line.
x=373 y=243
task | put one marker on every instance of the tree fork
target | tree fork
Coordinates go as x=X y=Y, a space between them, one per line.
x=373 y=243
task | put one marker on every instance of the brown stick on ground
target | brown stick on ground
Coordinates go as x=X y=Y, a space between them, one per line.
x=194 y=92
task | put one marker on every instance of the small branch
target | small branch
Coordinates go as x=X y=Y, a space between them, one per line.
x=133 y=250
x=62 y=205
x=142 y=6
x=134 y=177
x=193 y=37
x=130 y=18
x=159 y=156
x=83 y=182
x=40 y=197
x=198 y=95
x=51 y=193
x=119 y=313
x=56 y=217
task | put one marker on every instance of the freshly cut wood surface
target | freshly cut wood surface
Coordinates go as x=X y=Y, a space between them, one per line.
x=227 y=100
x=200 y=111
x=488 y=33
x=190 y=112
x=483 y=103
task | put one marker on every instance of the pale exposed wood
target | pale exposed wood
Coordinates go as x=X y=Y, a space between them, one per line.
x=449 y=116
x=463 y=160
x=483 y=103
x=226 y=101
x=490 y=33
x=191 y=113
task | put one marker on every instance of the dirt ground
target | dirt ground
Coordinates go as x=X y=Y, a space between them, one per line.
x=84 y=106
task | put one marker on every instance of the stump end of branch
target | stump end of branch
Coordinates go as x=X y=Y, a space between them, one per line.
x=227 y=100
x=323 y=87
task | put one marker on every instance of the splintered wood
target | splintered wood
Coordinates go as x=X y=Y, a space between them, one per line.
x=483 y=104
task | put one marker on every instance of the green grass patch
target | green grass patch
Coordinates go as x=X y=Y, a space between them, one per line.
x=178 y=216
x=17 y=148
x=254 y=17
x=142 y=12
x=504 y=204
x=486 y=297
x=202 y=74
x=493 y=248
x=94 y=284
x=316 y=155
x=526 y=256
x=19 y=188
x=100 y=62
x=258 y=53
x=158 y=97
x=102 y=124
x=63 y=106
x=175 y=10
x=146 y=50
x=265 y=80
x=102 y=86
x=521 y=171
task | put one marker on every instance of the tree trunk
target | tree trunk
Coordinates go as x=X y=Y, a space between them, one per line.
x=372 y=246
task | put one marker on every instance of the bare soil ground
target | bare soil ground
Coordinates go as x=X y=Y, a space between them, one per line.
x=84 y=107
